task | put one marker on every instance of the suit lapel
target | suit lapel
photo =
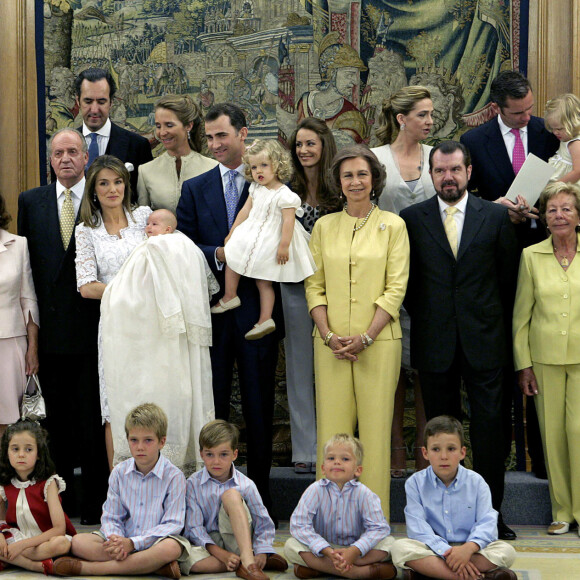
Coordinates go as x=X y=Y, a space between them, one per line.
x=497 y=152
x=118 y=142
x=214 y=197
x=471 y=224
x=434 y=225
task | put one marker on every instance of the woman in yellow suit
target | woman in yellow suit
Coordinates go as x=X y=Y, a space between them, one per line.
x=362 y=256
x=546 y=327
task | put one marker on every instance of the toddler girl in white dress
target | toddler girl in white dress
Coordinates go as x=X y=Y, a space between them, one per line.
x=562 y=116
x=266 y=242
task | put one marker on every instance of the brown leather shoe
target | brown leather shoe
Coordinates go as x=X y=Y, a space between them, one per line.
x=276 y=562
x=252 y=572
x=500 y=574
x=409 y=574
x=382 y=571
x=305 y=573
x=170 y=570
x=67 y=566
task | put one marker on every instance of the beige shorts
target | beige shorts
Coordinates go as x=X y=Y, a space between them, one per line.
x=293 y=547
x=405 y=550
x=183 y=542
x=224 y=538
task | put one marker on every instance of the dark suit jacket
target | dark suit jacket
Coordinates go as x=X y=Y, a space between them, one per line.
x=464 y=303
x=493 y=174
x=68 y=322
x=129 y=148
x=202 y=215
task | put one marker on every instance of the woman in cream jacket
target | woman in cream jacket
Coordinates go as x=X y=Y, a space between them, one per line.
x=178 y=125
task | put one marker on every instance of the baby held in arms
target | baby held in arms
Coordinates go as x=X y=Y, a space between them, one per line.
x=161 y=221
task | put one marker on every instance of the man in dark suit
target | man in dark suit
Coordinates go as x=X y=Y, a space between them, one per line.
x=68 y=327
x=205 y=213
x=95 y=89
x=491 y=146
x=460 y=295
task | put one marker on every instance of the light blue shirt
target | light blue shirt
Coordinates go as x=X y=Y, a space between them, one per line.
x=349 y=517
x=438 y=516
x=144 y=508
x=203 y=501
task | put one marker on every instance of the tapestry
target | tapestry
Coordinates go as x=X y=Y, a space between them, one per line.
x=281 y=61
x=284 y=60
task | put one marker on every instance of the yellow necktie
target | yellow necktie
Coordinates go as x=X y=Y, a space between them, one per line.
x=67 y=218
x=451 y=228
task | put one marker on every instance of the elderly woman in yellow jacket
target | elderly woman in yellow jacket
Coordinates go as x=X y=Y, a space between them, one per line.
x=362 y=256
x=546 y=327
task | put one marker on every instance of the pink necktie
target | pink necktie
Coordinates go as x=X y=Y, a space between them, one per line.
x=518 y=155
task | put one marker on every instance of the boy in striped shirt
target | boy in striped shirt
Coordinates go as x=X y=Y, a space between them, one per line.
x=338 y=528
x=144 y=512
x=226 y=520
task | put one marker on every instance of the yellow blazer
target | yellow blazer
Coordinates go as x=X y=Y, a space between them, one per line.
x=546 y=321
x=159 y=186
x=17 y=296
x=357 y=273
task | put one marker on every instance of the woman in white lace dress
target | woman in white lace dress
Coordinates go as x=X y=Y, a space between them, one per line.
x=109 y=230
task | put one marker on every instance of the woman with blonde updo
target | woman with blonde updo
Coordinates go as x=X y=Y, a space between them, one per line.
x=405 y=120
x=179 y=127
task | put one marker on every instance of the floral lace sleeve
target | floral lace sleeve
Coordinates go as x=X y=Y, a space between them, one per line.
x=85 y=261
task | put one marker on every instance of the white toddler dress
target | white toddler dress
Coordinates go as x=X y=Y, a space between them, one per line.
x=252 y=249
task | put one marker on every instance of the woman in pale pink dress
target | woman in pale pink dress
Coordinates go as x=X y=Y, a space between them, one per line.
x=18 y=321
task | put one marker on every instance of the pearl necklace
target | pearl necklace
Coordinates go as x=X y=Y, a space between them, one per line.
x=365 y=219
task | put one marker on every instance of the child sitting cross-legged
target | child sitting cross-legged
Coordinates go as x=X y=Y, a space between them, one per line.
x=338 y=527
x=143 y=514
x=226 y=521
x=451 y=524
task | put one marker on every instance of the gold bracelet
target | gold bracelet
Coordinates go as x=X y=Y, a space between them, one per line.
x=328 y=336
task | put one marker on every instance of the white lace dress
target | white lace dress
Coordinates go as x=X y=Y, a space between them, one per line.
x=100 y=256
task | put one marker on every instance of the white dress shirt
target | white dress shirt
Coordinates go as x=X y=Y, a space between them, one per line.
x=459 y=216
x=77 y=195
x=510 y=139
x=240 y=182
x=103 y=136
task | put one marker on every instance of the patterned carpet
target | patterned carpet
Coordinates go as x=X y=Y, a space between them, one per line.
x=539 y=556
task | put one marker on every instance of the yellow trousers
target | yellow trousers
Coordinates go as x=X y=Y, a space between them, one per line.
x=558 y=406
x=360 y=393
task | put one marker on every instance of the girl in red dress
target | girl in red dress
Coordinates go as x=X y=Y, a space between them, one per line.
x=32 y=522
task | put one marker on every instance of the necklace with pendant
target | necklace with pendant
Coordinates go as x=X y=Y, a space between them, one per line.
x=365 y=219
x=564 y=262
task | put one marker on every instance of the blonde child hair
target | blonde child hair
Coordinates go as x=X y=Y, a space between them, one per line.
x=348 y=441
x=565 y=109
x=278 y=156
x=147 y=416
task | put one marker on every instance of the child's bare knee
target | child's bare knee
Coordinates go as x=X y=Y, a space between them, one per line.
x=231 y=497
x=60 y=545
x=169 y=549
